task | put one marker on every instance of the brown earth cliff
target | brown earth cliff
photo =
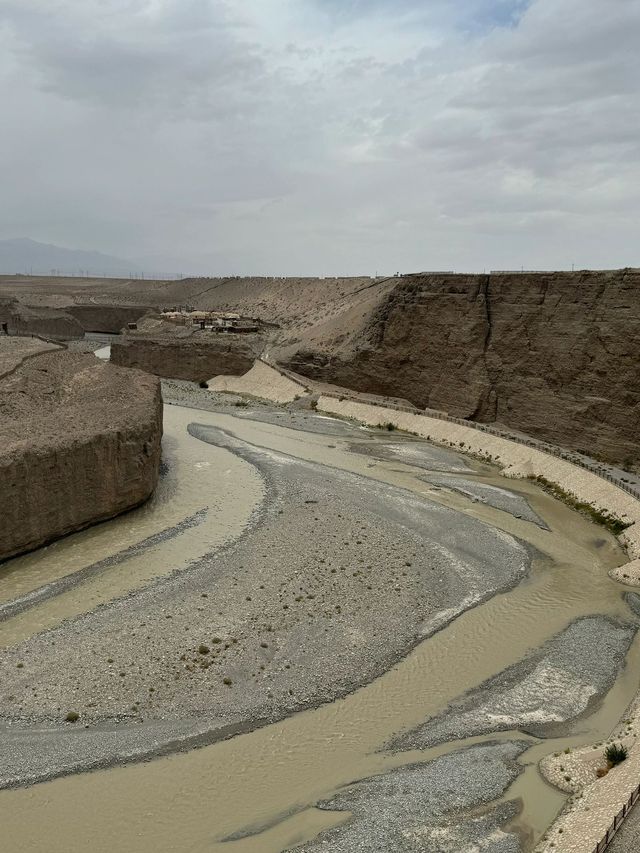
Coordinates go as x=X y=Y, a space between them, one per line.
x=554 y=355
x=79 y=443
x=179 y=352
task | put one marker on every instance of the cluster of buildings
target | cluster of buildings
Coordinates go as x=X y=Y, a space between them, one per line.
x=215 y=321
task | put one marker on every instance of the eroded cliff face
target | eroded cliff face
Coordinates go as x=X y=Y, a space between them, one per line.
x=106 y=318
x=79 y=443
x=554 y=355
x=194 y=358
x=48 y=322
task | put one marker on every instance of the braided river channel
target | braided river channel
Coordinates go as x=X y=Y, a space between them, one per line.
x=479 y=694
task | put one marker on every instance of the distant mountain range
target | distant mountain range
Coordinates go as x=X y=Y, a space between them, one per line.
x=23 y=255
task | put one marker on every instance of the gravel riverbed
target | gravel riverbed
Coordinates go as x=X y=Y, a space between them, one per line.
x=438 y=807
x=337 y=577
x=556 y=684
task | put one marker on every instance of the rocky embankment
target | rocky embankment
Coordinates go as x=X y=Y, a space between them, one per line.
x=551 y=354
x=79 y=443
x=196 y=356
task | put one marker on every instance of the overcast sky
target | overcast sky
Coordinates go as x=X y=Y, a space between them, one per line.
x=324 y=136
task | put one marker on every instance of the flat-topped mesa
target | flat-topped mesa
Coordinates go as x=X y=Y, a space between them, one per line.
x=551 y=354
x=165 y=348
x=79 y=443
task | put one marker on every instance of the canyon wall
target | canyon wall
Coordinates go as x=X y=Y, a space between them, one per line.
x=79 y=443
x=198 y=357
x=47 y=322
x=106 y=318
x=552 y=354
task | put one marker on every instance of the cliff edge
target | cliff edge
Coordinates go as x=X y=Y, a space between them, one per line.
x=551 y=354
x=79 y=443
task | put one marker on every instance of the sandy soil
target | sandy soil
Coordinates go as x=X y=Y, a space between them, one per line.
x=14 y=350
x=261 y=381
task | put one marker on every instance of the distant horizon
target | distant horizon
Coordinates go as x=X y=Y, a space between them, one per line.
x=325 y=136
x=152 y=275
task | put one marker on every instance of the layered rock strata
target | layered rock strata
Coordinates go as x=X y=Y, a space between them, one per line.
x=551 y=354
x=79 y=443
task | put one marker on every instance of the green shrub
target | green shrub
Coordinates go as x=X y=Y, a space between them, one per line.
x=615 y=753
x=614 y=525
x=203 y=384
x=72 y=717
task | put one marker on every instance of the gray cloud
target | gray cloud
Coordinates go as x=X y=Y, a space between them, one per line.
x=285 y=136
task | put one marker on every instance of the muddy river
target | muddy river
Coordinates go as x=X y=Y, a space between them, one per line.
x=256 y=792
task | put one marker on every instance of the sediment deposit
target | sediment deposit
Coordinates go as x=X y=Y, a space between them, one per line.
x=516 y=460
x=444 y=806
x=284 y=637
x=80 y=442
x=261 y=381
x=350 y=560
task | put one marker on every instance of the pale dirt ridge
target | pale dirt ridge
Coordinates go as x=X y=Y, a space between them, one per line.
x=261 y=381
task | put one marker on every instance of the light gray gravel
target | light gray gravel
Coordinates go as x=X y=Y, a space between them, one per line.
x=332 y=584
x=494 y=496
x=416 y=453
x=627 y=839
x=432 y=808
x=45 y=752
x=556 y=684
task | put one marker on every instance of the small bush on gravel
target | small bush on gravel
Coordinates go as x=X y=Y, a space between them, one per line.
x=72 y=717
x=203 y=650
x=203 y=384
x=616 y=753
